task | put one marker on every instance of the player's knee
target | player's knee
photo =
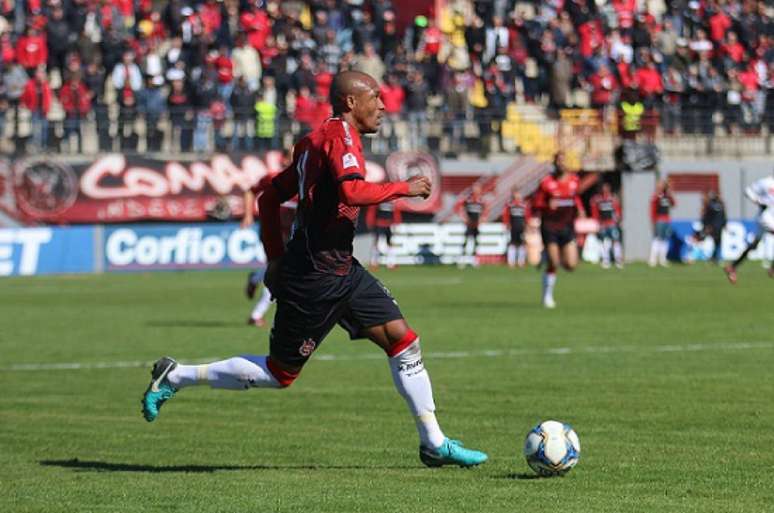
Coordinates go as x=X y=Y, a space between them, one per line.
x=284 y=374
x=570 y=266
x=400 y=340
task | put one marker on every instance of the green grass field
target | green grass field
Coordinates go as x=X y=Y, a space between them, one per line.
x=665 y=375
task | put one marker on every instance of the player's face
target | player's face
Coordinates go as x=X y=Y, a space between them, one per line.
x=368 y=109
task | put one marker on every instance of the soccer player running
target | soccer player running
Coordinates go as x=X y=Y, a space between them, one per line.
x=381 y=218
x=471 y=209
x=516 y=214
x=558 y=202
x=606 y=210
x=316 y=280
x=661 y=203
x=760 y=192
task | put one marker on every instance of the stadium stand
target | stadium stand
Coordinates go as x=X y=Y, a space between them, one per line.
x=477 y=76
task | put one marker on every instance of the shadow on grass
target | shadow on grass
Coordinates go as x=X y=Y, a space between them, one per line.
x=190 y=323
x=105 y=466
x=522 y=476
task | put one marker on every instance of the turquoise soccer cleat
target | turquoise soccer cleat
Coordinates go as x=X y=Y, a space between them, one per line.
x=159 y=390
x=451 y=453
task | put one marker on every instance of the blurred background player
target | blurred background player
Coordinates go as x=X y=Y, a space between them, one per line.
x=713 y=219
x=515 y=216
x=661 y=203
x=255 y=278
x=380 y=218
x=760 y=192
x=471 y=209
x=558 y=203
x=606 y=210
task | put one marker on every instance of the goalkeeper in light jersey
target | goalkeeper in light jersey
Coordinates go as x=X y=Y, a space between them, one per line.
x=760 y=192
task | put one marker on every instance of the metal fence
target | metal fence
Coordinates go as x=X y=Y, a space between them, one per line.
x=592 y=134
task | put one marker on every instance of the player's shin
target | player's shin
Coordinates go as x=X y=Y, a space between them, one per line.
x=606 y=246
x=238 y=373
x=549 y=281
x=511 y=255
x=618 y=253
x=262 y=305
x=413 y=383
x=521 y=256
x=654 y=252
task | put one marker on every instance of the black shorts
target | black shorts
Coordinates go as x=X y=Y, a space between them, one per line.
x=517 y=235
x=309 y=306
x=561 y=236
x=471 y=231
x=386 y=232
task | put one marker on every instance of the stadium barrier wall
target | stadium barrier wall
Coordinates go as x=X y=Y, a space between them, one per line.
x=120 y=248
x=167 y=247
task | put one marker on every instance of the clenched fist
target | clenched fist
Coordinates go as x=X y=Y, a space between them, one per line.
x=419 y=186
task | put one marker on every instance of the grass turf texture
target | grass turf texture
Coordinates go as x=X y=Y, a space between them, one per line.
x=684 y=428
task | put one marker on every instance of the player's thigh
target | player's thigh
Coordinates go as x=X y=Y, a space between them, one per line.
x=553 y=253
x=299 y=329
x=570 y=255
x=372 y=312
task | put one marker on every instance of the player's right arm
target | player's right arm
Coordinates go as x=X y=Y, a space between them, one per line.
x=283 y=187
x=345 y=161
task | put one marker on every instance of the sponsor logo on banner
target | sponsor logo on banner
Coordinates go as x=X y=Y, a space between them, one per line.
x=737 y=235
x=182 y=247
x=431 y=243
x=30 y=251
x=118 y=188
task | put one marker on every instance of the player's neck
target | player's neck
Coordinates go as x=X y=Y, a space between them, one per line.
x=348 y=118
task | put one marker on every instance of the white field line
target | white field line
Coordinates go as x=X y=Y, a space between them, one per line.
x=487 y=353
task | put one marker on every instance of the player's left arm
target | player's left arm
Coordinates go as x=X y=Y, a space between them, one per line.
x=397 y=216
x=248 y=217
x=618 y=211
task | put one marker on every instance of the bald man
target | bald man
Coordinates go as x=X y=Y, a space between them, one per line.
x=317 y=281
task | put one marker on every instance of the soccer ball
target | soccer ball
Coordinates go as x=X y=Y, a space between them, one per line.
x=552 y=448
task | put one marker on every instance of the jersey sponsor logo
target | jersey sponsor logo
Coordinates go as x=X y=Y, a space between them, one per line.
x=307 y=347
x=349 y=160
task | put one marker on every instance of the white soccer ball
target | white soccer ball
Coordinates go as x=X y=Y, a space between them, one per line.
x=552 y=448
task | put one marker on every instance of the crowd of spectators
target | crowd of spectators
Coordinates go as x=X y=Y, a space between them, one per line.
x=234 y=74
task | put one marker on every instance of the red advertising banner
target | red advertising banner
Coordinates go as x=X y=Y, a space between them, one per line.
x=116 y=188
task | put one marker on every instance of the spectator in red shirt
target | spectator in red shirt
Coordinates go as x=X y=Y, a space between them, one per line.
x=37 y=99
x=31 y=50
x=393 y=96
x=649 y=83
x=604 y=88
x=76 y=102
x=305 y=109
x=719 y=23
x=732 y=49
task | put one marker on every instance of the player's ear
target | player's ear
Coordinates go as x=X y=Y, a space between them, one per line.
x=349 y=101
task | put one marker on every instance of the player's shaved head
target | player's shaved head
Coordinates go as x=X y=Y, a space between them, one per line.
x=356 y=98
x=349 y=83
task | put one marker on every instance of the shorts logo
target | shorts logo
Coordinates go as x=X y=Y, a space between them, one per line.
x=307 y=348
x=349 y=160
